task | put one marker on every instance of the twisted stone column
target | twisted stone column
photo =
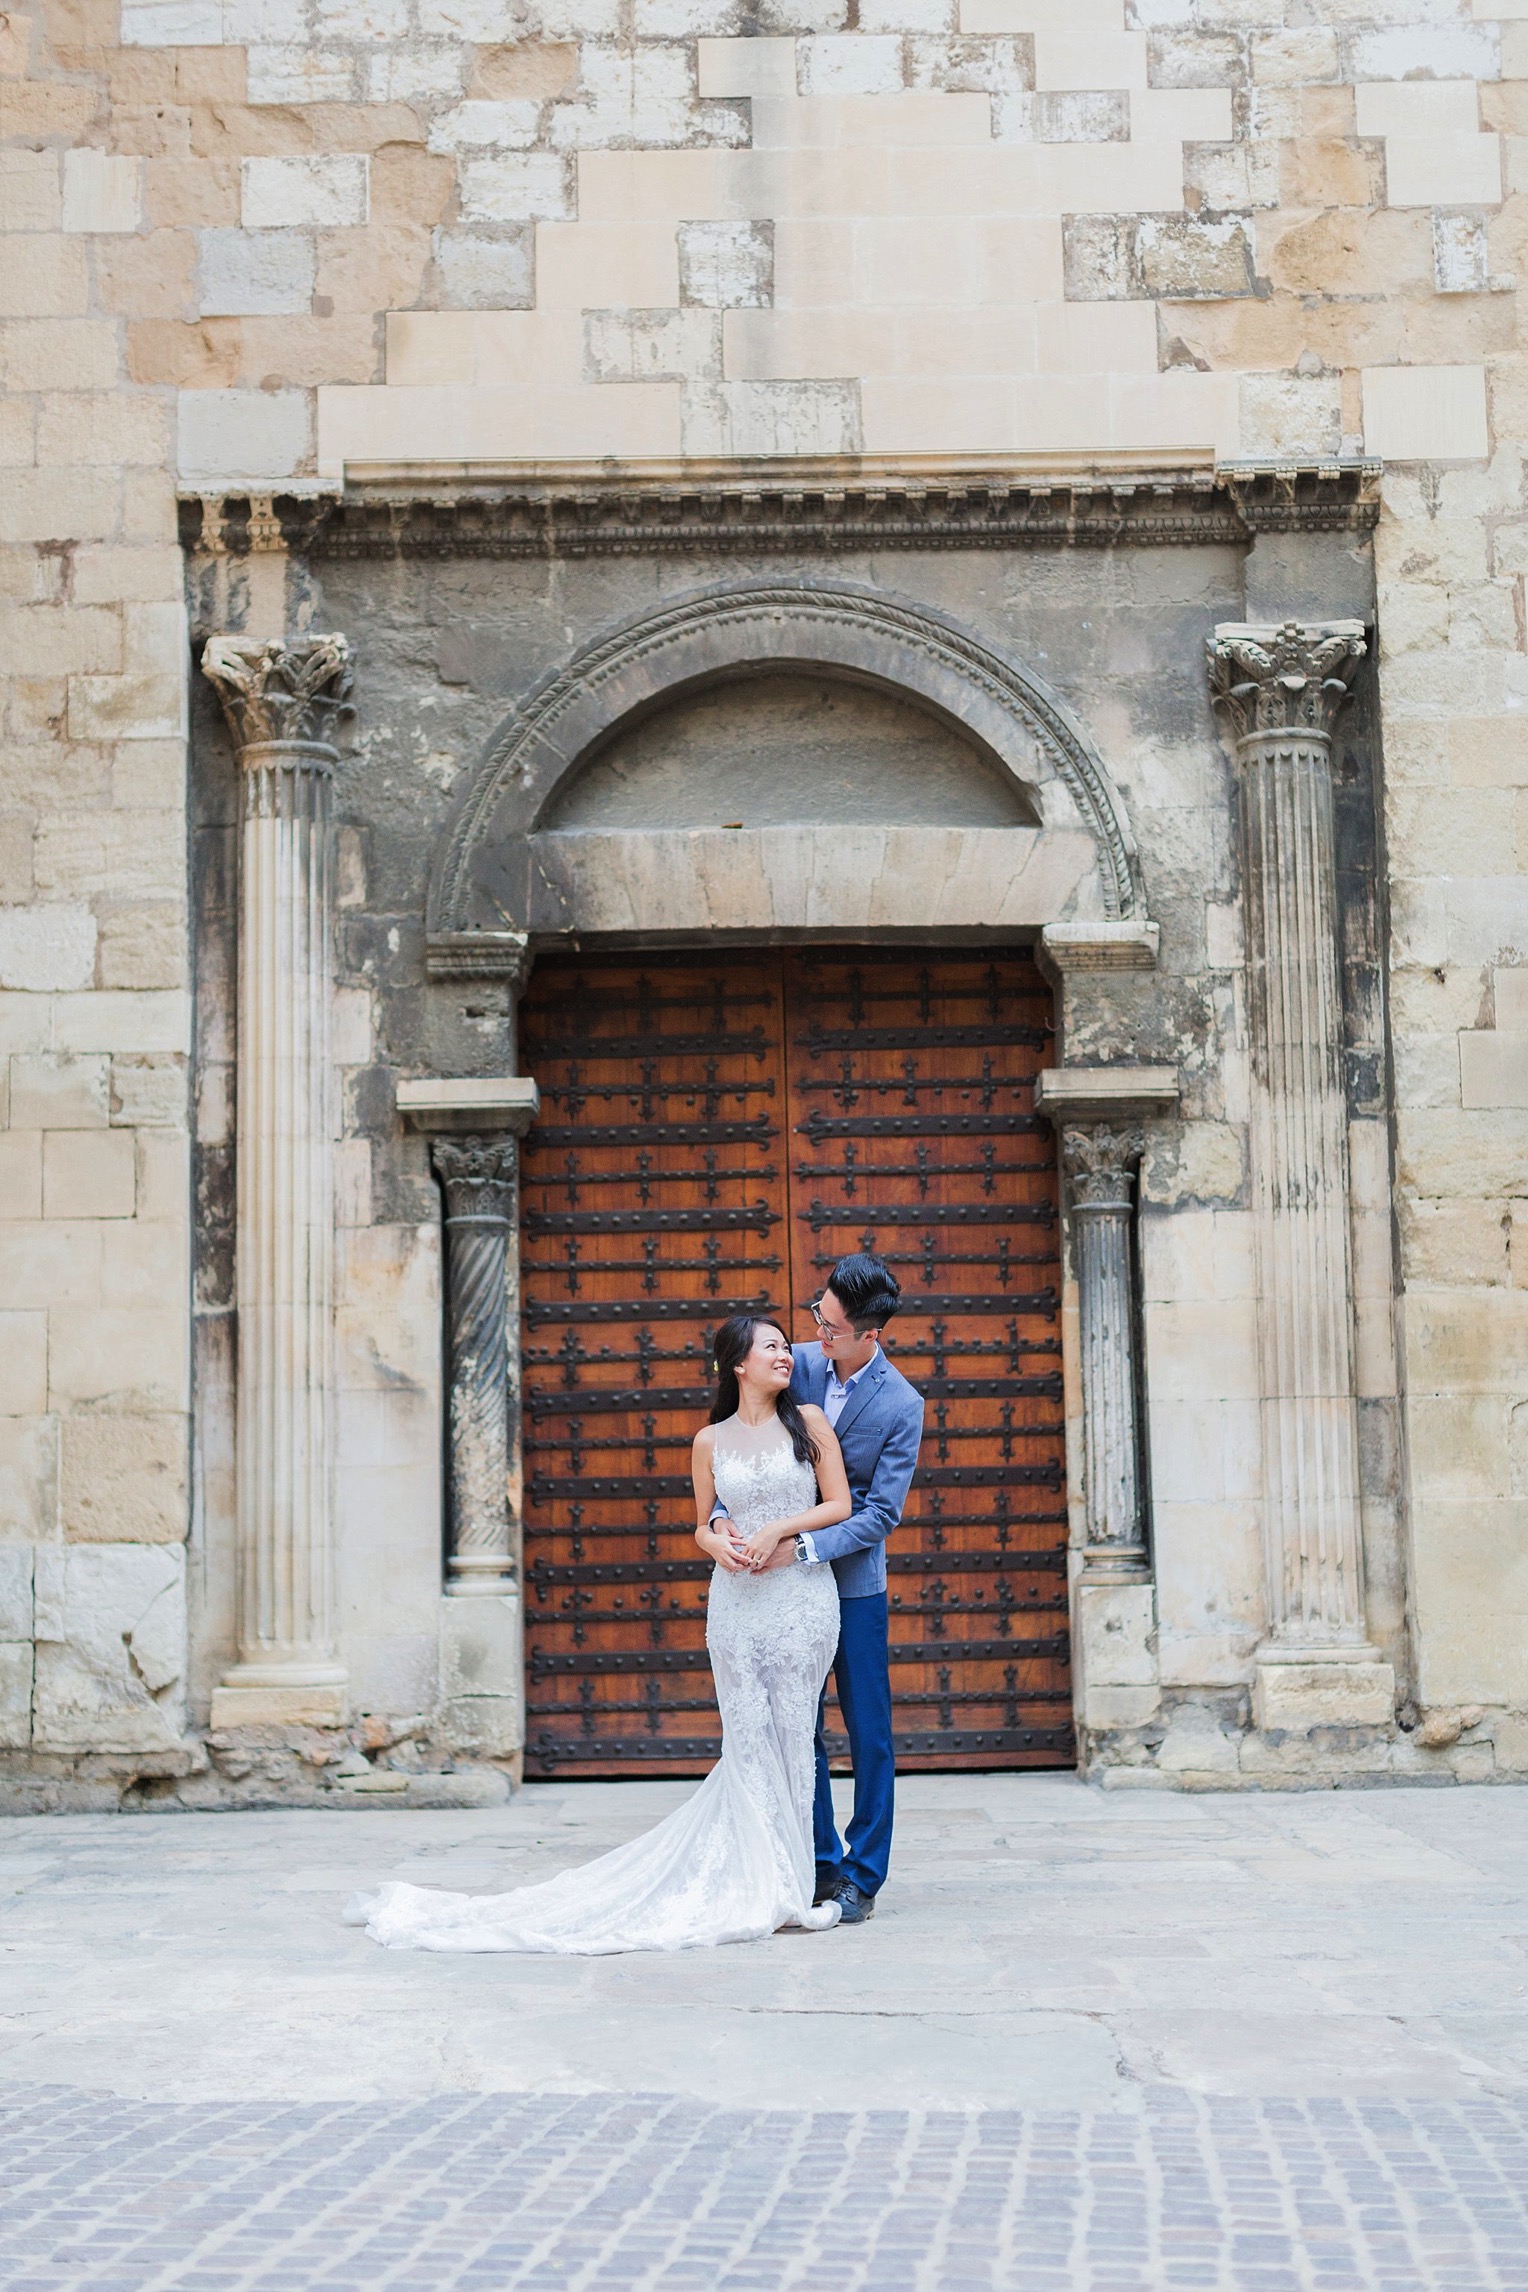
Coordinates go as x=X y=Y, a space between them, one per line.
x=478 y=1178
x=279 y=700
x=1101 y=1161
x=1280 y=691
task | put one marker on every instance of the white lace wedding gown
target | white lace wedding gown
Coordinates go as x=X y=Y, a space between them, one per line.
x=735 y=1862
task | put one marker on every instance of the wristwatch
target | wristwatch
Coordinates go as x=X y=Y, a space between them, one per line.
x=802 y=1554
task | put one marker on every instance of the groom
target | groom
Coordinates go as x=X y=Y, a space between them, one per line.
x=878 y=1418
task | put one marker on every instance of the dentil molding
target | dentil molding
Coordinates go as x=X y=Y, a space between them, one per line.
x=699 y=508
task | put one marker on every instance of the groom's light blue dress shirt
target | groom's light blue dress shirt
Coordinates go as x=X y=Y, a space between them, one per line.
x=834 y=1402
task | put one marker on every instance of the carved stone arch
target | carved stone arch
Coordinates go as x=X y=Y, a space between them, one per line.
x=481 y=877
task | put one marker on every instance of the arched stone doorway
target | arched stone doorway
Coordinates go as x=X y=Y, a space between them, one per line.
x=1063 y=849
x=816 y=769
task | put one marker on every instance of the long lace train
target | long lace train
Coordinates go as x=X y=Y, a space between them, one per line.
x=735 y=1862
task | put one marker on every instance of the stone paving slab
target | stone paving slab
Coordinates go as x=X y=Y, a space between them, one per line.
x=1041 y=1945
x=1092 y=2042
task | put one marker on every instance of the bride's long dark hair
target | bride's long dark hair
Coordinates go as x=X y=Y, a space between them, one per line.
x=731 y=1347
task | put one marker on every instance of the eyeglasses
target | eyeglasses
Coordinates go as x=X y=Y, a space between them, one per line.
x=830 y=1331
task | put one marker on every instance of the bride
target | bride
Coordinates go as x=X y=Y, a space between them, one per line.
x=735 y=1862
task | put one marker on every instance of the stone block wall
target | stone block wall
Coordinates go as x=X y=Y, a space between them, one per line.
x=256 y=242
x=94 y=1009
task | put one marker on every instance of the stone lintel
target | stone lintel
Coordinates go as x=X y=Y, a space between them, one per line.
x=1102 y=1093
x=483 y=1103
x=1109 y=470
x=1099 y=946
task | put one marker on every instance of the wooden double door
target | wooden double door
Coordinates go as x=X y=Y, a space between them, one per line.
x=714 y=1133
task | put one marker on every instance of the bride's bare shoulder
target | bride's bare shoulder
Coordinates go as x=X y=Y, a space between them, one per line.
x=813 y=1416
x=704 y=1441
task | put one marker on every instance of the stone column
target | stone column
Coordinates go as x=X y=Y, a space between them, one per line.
x=280 y=700
x=478 y=1179
x=1101 y=1161
x=476 y=1124
x=1098 y=1111
x=1279 y=691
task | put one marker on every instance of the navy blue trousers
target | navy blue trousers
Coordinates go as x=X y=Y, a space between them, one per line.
x=862 y=1678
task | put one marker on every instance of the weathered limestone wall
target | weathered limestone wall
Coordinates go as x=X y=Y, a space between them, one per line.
x=94 y=1013
x=258 y=242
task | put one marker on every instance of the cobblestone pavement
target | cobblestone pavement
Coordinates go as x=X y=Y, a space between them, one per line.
x=646 y=2191
x=1090 y=2043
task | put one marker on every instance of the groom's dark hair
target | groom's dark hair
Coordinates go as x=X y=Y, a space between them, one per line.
x=867 y=1289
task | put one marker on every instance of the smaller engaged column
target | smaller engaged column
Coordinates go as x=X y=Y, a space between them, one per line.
x=1099 y=1113
x=475 y=1125
x=280 y=700
x=478 y=1179
x=1101 y=1161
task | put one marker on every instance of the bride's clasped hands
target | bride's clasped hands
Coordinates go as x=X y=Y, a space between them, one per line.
x=768 y=1547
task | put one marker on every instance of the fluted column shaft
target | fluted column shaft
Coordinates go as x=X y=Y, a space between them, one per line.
x=478 y=1177
x=1100 y=1162
x=285 y=1213
x=285 y=1238
x=1281 y=690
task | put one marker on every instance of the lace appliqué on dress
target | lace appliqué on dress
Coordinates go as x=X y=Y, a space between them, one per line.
x=735 y=1862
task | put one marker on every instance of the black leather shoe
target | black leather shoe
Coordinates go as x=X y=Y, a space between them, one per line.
x=854 y=1905
x=828 y=1883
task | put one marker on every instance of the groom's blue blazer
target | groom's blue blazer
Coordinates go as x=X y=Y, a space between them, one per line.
x=879 y=1432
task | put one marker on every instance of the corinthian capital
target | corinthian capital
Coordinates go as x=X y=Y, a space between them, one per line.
x=478 y=1175
x=1100 y=1161
x=1290 y=679
x=279 y=691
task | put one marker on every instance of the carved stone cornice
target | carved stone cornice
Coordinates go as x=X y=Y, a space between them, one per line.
x=1100 y=1160
x=1098 y=945
x=478 y=1178
x=1303 y=497
x=823 y=504
x=487 y=1105
x=479 y=955
x=280 y=693
x=1282 y=680
x=1077 y=1094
